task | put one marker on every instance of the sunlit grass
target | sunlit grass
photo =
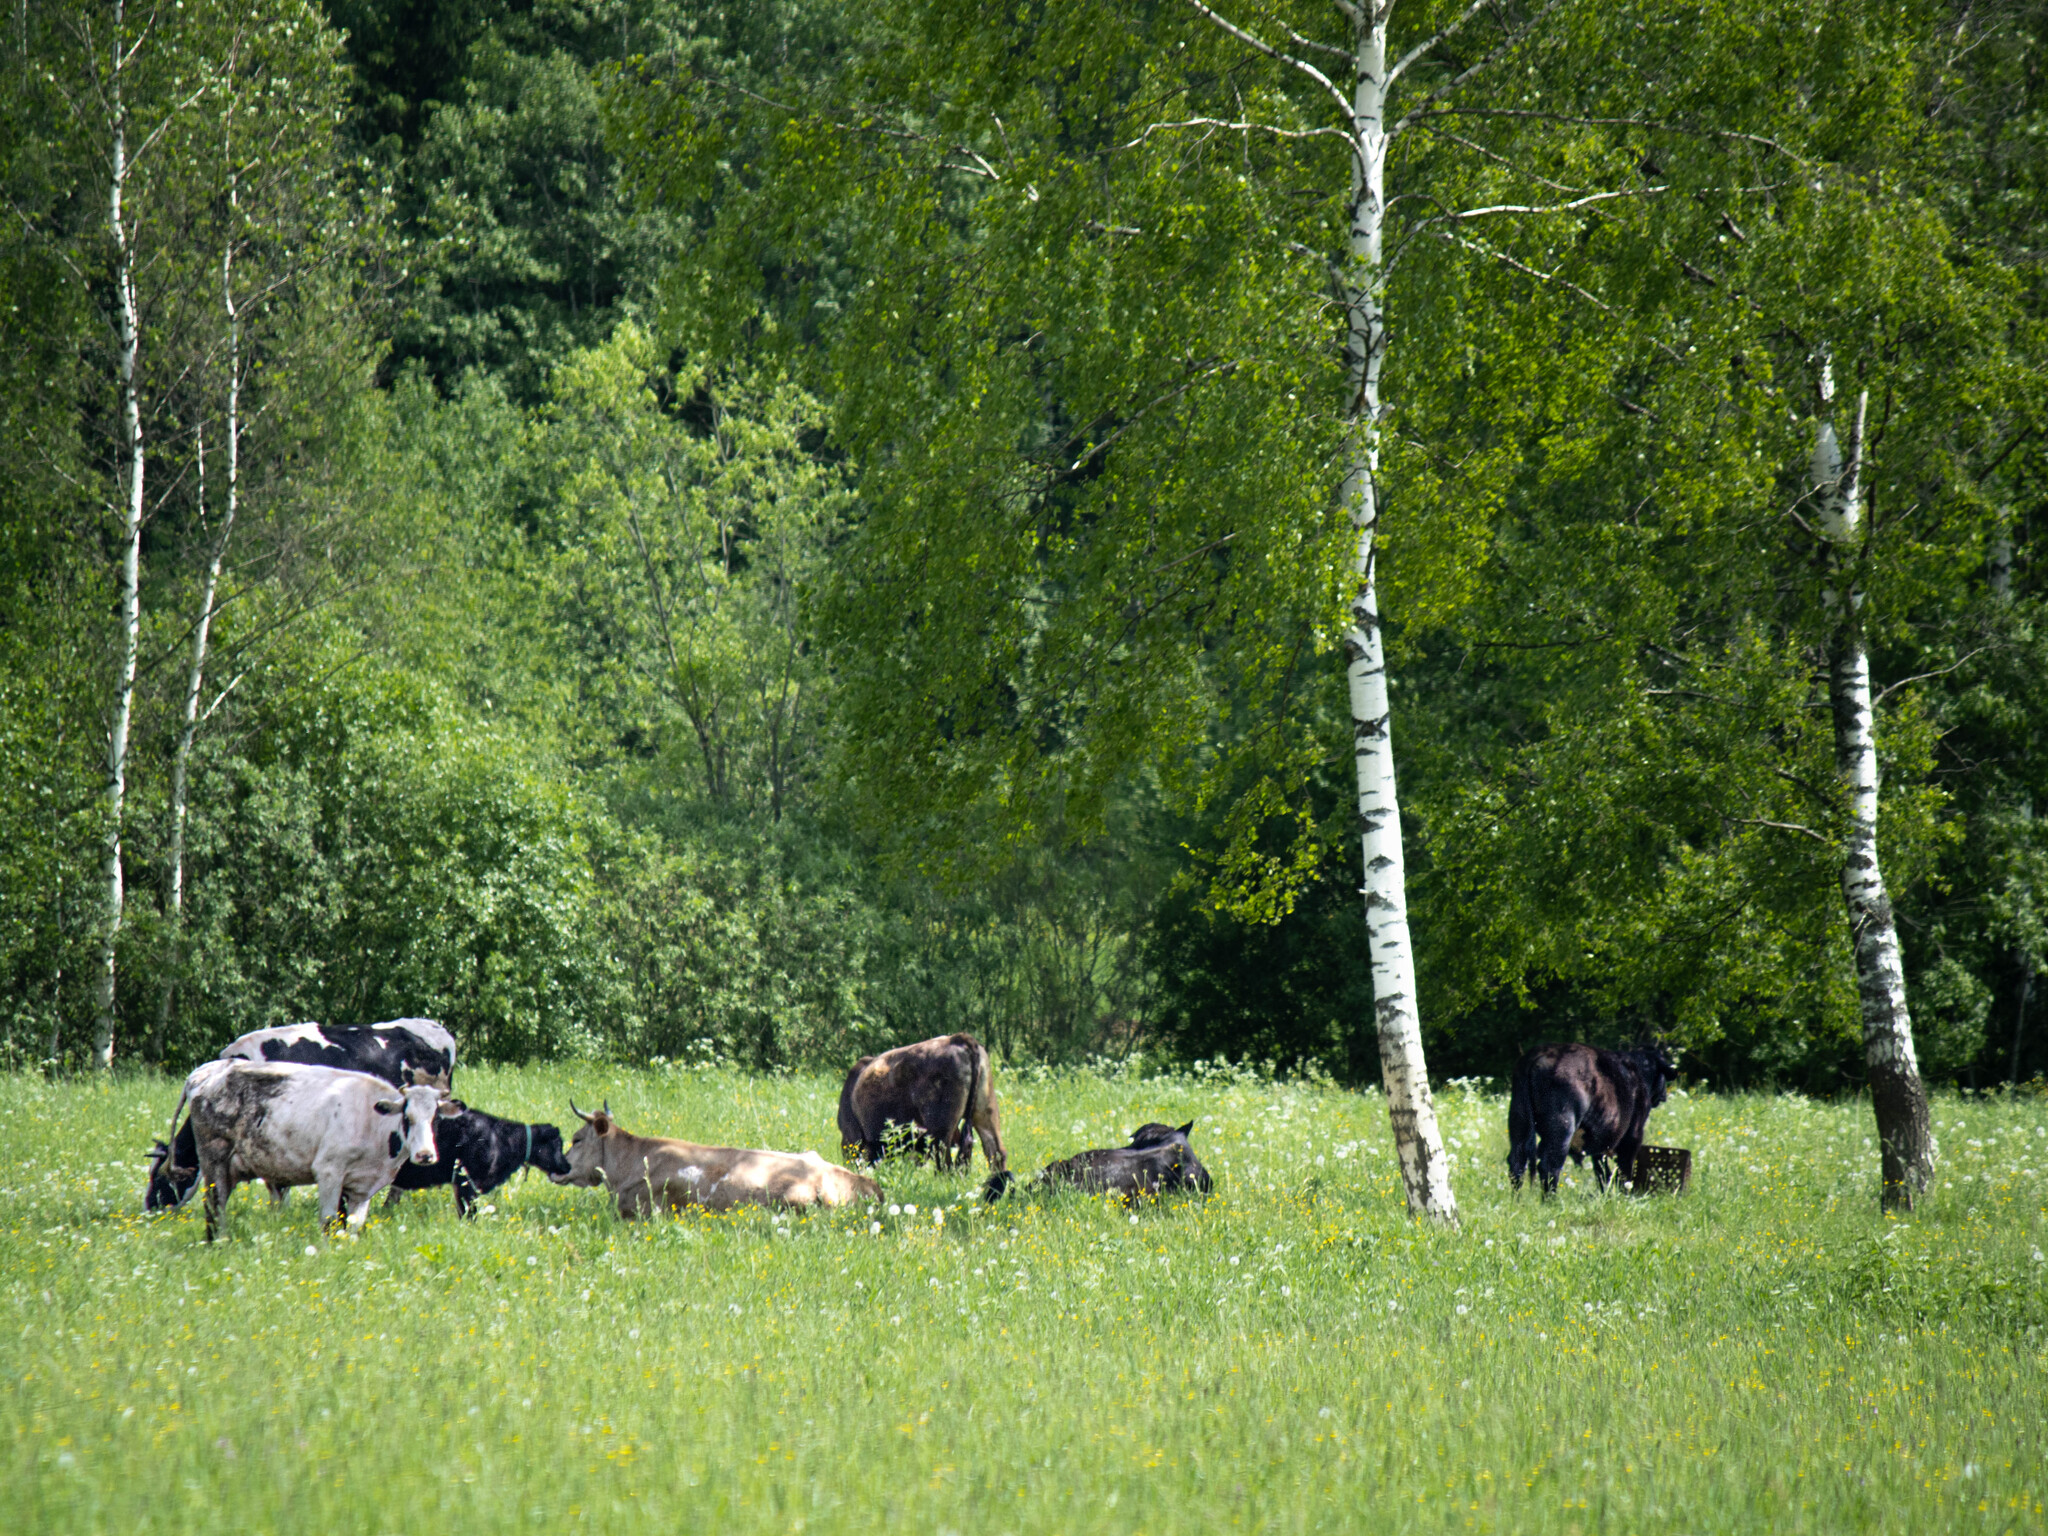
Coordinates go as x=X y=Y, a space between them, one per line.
x=1767 y=1354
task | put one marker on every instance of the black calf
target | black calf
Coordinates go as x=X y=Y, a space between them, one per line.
x=479 y=1152
x=1157 y=1161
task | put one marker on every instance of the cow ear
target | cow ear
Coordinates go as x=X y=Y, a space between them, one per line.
x=448 y=1109
x=1184 y=1130
x=389 y=1106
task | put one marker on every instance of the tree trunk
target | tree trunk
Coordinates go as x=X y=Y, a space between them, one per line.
x=1898 y=1097
x=2019 y=1023
x=131 y=478
x=1417 y=1140
x=195 y=672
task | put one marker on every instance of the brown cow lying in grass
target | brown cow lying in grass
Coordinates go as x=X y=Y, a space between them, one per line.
x=646 y=1172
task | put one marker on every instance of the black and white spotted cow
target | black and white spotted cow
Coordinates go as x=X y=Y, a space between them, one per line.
x=401 y=1052
x=285 y=1124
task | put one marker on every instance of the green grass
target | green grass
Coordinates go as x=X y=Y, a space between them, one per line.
x=1767 y=1354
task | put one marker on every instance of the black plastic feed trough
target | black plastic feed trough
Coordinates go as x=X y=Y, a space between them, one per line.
x=1660 y=1170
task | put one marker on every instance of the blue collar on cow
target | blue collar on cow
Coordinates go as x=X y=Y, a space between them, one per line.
x=529 y=1148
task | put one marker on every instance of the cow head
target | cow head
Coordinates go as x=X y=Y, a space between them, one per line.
x=420 y=1077
x=417 y=1110
x=1657 y=1067
x=585 y=1160
x=170 y=1186
x=1183 y=1169
x=547 y=1154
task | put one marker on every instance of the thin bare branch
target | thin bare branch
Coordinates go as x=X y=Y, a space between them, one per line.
x=1783 y=826
x=1250 y=40
x=1449 y=31
x=1921 y=677
x=1241 y=127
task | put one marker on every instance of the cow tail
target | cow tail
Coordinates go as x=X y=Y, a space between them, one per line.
x=978 y=1092
x=1522 y=1113
x=171 y=1136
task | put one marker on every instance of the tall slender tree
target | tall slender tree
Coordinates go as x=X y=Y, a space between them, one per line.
x=1087 y=269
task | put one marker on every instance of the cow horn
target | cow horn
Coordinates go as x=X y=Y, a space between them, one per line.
x=605 y=1109
x=578 y=1113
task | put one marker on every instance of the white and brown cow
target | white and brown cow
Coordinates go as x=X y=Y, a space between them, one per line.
x=647 y=1173
x=287 y=1124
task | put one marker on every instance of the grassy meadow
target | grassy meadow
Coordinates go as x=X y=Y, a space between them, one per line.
x=1766 y=1354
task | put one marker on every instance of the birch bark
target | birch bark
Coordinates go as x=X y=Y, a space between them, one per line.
x=195 y=671
x=1418 y=1141
x=1898 y=1097
x=134 y=462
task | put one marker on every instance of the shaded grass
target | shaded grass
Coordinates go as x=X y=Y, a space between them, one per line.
x=1767 y=1353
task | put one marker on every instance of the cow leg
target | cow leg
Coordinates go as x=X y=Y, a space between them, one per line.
x=1556 y=1142
x=278 y=1193
x=358 y=1203
x=1625 y=1158
x=217 y=1178
x=333 y=1195
x=465 y=1192
x=944 y=1117
x=989 y=1128
x=1521 y=1136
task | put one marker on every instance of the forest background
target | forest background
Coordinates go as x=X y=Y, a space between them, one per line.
x=502 y=439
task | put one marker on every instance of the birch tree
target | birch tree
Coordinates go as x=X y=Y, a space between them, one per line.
x=1905 y=1136
x=1119 y=373
x=264 y=136
x=140 y=83
x=1732 y=624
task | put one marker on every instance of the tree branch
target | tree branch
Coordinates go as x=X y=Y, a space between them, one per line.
x=1260 y=44
x=1445 y=35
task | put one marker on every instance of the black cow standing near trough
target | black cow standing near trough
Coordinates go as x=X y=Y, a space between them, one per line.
x=403 y=1053
x=1574 y=1100
x=1158 y=1161
x=479 y=1152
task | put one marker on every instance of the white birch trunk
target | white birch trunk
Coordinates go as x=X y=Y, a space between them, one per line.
x=135 y=461
x=1998 y=558
x=1898 y=1097
x=195 y=671
x=1418 y=1142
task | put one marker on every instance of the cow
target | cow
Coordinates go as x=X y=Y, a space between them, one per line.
x=401 y=1052
x=939 y=1088
x=1158 y=1161
x=1581 y=1100
x=286 y=1124
x=479 y=1152
x=646 y=1173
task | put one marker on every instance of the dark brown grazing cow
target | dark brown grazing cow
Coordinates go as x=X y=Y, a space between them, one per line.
x=939 y=1088
x=1573 y=1099
x=1158 y=1161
